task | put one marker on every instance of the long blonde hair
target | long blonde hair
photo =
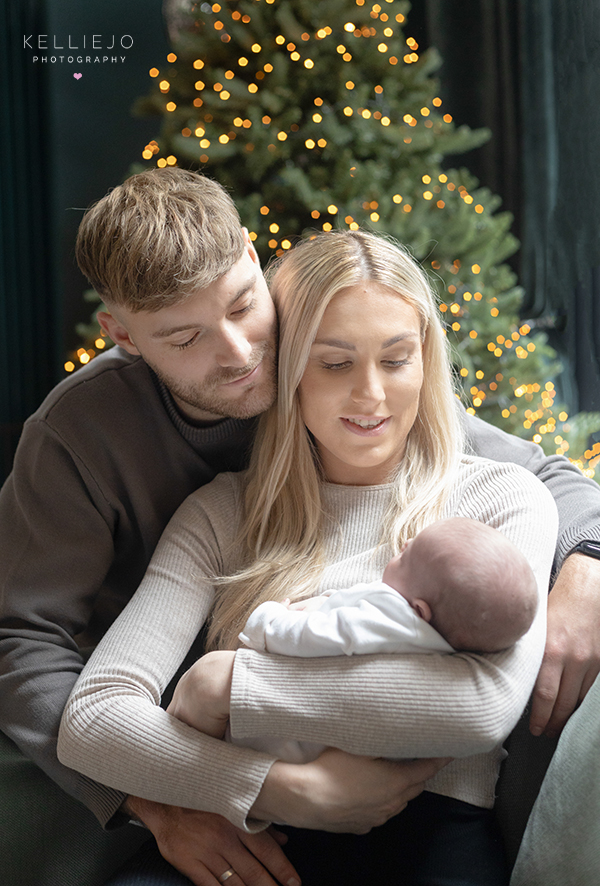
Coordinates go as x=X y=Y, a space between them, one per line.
x=283 y=517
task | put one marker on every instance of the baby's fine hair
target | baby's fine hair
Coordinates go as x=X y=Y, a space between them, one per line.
x=489 y=594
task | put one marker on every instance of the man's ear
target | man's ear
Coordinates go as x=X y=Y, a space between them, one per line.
x=117 y=332
x=250 y=246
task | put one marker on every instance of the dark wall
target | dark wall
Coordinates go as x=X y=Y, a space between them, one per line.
x=65 y=141
x=480 y=84
x=94 y=136
x=28 y=307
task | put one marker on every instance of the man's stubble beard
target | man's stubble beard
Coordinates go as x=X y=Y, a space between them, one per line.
x=254 y=401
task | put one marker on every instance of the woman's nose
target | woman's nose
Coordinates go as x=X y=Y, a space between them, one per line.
x=234 y=349
x=368 y=388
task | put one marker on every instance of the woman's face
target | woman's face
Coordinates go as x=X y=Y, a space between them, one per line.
x=359 y=394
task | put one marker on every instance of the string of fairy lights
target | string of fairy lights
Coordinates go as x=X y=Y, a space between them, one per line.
x=247 y=74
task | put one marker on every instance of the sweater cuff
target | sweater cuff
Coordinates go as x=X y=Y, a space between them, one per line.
x=571 y=538
x=104 y=802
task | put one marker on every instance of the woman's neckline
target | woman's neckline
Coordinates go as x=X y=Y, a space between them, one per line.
x=329 y=485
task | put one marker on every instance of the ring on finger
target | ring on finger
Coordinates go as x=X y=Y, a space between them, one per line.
x=229 y=873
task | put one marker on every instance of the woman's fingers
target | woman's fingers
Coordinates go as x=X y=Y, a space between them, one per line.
x=341 y=792
x=280 y=838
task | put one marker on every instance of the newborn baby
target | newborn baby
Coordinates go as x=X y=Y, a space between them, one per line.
x=458 y=585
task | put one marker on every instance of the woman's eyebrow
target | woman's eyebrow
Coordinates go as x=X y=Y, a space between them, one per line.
x=346 y=345
x=334 y=343
x=396 y=338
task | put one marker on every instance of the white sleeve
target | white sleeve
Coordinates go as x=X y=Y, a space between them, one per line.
x=356 y=621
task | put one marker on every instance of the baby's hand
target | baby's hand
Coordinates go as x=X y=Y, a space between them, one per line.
x=308 y=604
x=201 y=698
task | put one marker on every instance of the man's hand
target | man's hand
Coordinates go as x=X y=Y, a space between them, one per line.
x=571 y=661
x=201 y=697
x=203 y=846
x=341 y=792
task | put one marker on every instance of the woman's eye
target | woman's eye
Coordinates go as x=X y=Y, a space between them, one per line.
x=341 y=365
x=394 y=364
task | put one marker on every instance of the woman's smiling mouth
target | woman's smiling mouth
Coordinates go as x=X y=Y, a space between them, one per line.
x=366 y=426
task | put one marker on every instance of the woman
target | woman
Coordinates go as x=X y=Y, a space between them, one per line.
x=360 y=452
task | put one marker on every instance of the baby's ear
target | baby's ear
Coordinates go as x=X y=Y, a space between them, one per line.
x=422 y=608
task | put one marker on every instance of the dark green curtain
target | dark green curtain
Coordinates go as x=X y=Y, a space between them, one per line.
x=561 y=182
x=478 y=41
x=530 y=71
x=28 y=351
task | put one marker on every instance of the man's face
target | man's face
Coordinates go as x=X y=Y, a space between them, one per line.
x=215 y=350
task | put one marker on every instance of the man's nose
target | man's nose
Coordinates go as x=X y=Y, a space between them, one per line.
x=233 y=349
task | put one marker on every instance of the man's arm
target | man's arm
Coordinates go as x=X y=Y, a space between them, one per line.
x=55 y=548
x=571 y=660
x=577 y=498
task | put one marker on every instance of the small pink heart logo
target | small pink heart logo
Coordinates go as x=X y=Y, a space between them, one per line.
x=78 y=76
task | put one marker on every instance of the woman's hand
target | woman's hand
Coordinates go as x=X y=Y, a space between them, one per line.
x=203 y=846
x=571 y=660
x=341 y=792
x=201 y=697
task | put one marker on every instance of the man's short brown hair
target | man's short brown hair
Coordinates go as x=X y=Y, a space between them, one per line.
x=157 y=237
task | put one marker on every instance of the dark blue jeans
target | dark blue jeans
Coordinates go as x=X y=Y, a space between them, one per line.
x=436 y=841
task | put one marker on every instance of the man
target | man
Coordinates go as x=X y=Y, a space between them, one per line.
x=114 y=450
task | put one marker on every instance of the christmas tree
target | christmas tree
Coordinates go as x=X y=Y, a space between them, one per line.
x=325 y=115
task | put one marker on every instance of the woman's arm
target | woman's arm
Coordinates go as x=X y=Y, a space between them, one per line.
x=113 y=728
x=406 y=705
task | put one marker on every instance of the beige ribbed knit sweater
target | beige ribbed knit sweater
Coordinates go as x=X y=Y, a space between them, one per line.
x=401 y=706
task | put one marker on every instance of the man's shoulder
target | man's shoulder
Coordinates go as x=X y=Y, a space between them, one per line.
x=112 y=374
x=108 y=412
x=490 y=442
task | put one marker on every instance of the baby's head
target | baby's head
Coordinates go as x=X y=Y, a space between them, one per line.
x=469 y=581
